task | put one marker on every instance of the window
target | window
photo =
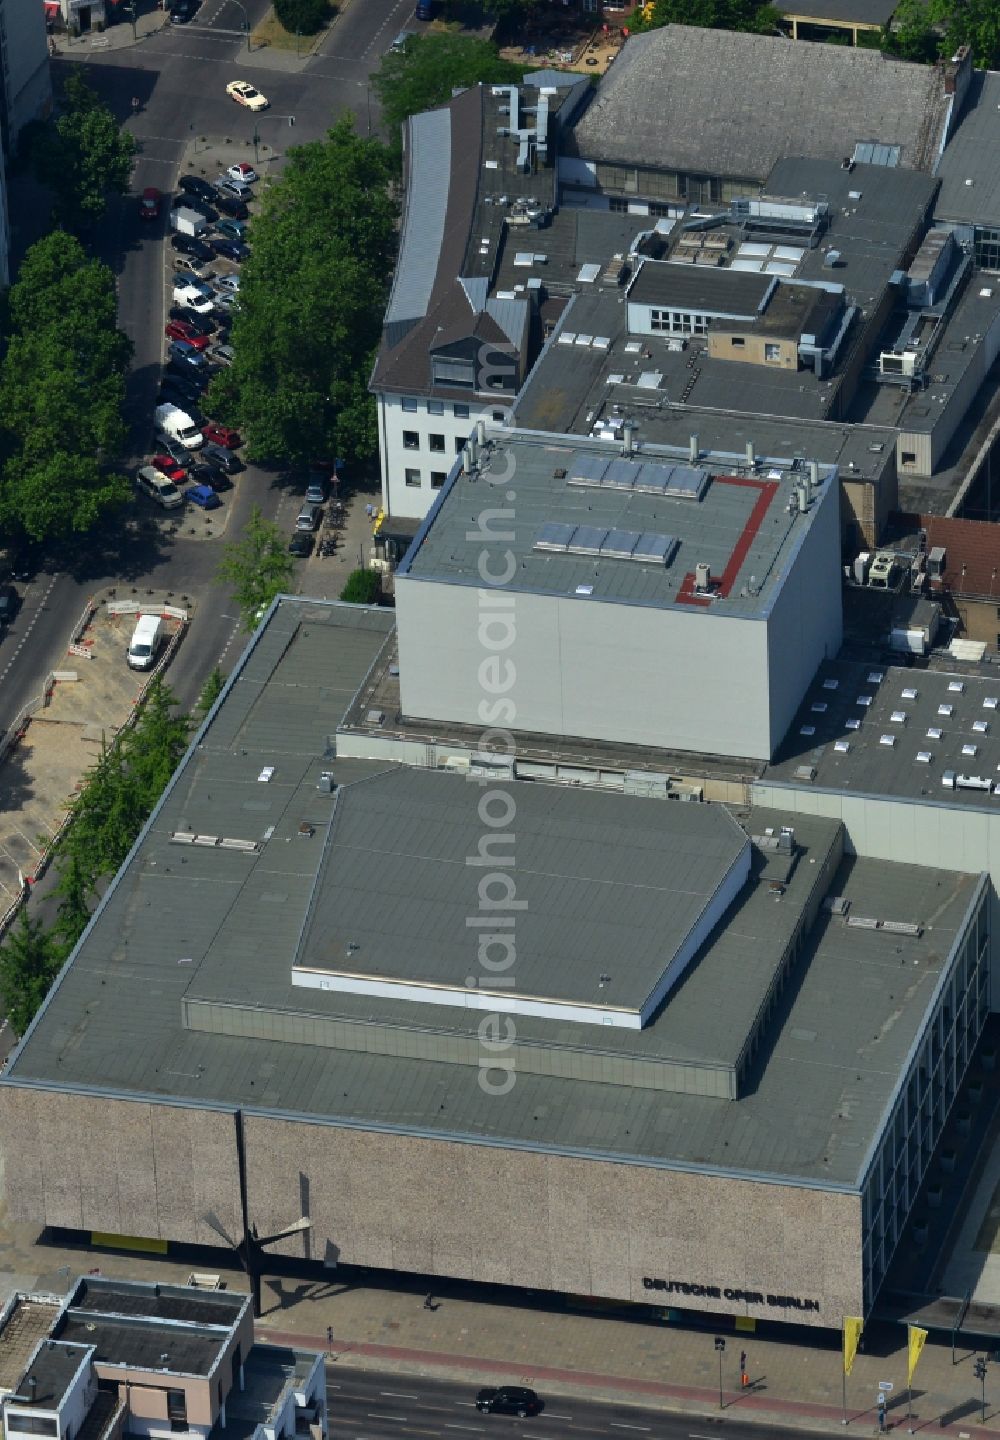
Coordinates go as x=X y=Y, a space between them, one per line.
x=412 y=477
x=461 y=412
x=738 y=342
x=678 y=322
x=498 y=417
x=459 y=445
x=177 y=1409
x=617 y=206
x=454 y=372
x=409 y=404
x=772 y=353
x=908 y=457
x=438 y=477
x=411 y=440
x=31 y=1424
x=436 y=443
x=435 y=407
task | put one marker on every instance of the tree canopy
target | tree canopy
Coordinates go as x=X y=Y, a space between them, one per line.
x=303 y=17
x=83 y=156
x=62 y=392
x=927 y=29
x=749 y=15
x=429 y=67
x=362 y=587
x=29 y=962
x=258 y=567
x=312 y=297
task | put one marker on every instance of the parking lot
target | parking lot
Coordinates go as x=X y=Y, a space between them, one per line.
x=87 y=705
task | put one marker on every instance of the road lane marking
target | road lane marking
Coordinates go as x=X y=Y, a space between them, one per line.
x=395 y=1394
x=553 y=1415
x=619 y=1425
x=476 y=1429
x=376 y=1415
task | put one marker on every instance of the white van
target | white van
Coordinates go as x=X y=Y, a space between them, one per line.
x=177 y=424
x=144 y=646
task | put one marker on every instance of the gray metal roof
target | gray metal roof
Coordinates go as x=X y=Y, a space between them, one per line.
x=52 y=1369
x=860 y=12
x=708 y=530
x=970 y=156
x=731 y=104
x=184 y=918
x=429 y=175
x=870 y=767
x=589 y=908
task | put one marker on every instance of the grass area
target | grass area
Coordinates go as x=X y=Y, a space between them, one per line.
x=271 y=32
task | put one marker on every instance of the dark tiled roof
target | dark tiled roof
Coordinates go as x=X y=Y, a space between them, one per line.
x=973 y=554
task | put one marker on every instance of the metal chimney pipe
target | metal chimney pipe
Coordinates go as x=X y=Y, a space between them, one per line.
x=481 y=431
x=628 y=430
x=813 y=473
x=694 y=450
x=472 y=445
x=802 y=495
x=467 y=460
x=751 y=456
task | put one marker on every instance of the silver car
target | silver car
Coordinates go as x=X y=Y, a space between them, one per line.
x=238 y=188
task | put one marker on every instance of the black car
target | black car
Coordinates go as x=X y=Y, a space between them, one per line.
x=175 y=449
x=231 y=249
x=224 y=459
x=174 y=392
x=9 y=602
x=200 y=324
x=204 y=474
x=195 y=185
x=230 y=206
x=199 y=206
x=508 y=1400
x=177 y=370
x=181 y=11
x=301 y=546
x=191 y=245
x=24 y=561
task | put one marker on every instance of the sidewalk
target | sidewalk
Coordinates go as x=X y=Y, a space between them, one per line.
x=387 y=1328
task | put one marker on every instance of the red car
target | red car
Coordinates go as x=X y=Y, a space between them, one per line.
x=149 y=204
x=168 y=466
x=181 y=330
x=221 y=435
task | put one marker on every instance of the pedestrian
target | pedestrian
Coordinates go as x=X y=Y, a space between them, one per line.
x=136 y=104
x=744 y=1377
x=428 y=1302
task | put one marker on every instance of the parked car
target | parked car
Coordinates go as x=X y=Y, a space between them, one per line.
x=316 y=492
x=24 y=561
x=508 y=1400
x=195 y=185
x=235 y=209
x=156 y=485
x=10 y=600
x=222 y=435
x=230 y=282
x=181 y=11
x=208 y=475
x=168 y=466
x=231 y=249
x=225 y=300
x=243 y=172
x=188 y=265
x=239 y=188
x=232 y=229
x=199 y=324
x=192 y=296
x=199 y=206
x=301 y=546
x=179 y=390
x=181 y=330
x=185 y=351
x=150 y=202
x=246 y=95
x=224 y=459
x=204 y=496
x=221 y=354
x=178 y=453
x=424 y=10
x=191 y=245
x=196 y=380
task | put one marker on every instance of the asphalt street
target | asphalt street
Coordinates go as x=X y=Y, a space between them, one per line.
x=368 y=1405
x=179 y=76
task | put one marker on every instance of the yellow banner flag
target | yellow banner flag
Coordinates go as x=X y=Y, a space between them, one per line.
x=916 y=1338
x=853 y=1326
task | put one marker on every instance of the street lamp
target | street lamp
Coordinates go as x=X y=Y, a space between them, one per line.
x=720 y=1346
x=246 y=22
x=980 y=1373
x=255 y=138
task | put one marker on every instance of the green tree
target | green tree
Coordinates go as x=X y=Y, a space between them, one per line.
x=429 y=67
x=258 y=567
x=975 y=23
x=74 y=905
x=155 y=744
x=748 y=15
x=362 y=587
x=29 y=962
x=303 y=17
x=915 y=33
x=83 y=156
x=210 y=692
x=107 y=815
x=62 y=393
x=311 y=304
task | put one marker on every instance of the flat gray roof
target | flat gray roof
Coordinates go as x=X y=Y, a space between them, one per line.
x=869 y=697
x=970 y=156
x=182 y=916
x=144 y=1345
x=696 y=287
x=739 y=527
x=100 y=1295
x=589 y=909
x=52 y=1369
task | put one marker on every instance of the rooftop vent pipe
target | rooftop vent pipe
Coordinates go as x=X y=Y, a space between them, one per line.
x=694 y=449
x=751 y=456
x=628 y=431
x=481 y=431
x=467 y=461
